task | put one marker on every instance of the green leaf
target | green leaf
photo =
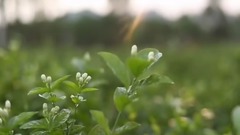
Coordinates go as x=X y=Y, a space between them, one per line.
x=236 y=118
x=97 y=130
x=101 y=120
x=58 y=81
x=72 y=85
x=76 y=129
x=126 y=127
x=52 y=97
x=137 y=65
x=20 y=119
x=156 y=79
x=40 y=133
x=121 y=98
x=61 y=117
x=89 y=90
x=117 y=66
x=38 y=90
x=35 y=124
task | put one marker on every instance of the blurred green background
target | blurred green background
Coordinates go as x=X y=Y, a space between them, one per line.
x=201 y=54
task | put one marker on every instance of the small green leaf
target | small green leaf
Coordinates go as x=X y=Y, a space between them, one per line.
x=35 y=124
x=58 y=81
x=20 y=119
x=126 y=127
x=101 y=120
x=121 y=98
x=38 y=90
x=72 y=85
x=156 y=79
x=97 y=130
x=117 y=66
x=52 y=97
x=61 y=117
x=40 y=133
x=137 y=65
x=236 y=118
x=89 y=90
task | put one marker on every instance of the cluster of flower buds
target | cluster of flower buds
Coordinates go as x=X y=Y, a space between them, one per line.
x=77 y=99
x=83 y=78
x=4 y=112
x=154 y=56
x=53 y=111
x=46 y=79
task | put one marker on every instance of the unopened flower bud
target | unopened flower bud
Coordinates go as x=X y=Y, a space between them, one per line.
x=81 y=98
x=84 y=76
x=88 y=79
x=55 y=109
x=81 y=79
x=134 y=50
x=151 y=56
x=72 y=96
x=8 y=104
x=44 y=78
x=45 y=106
x=78 y=75
x=3 y=112
x=49 y=79
x=1 y=121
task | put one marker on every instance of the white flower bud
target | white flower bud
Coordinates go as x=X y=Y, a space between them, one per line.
x=8 y=104
x=3 y=113
x=1 y=121
x=72 y=96
x=151 y=56
x=49 y=79
x=55 y=109
x=44 y=78
x=88 y=79
x=134 y=50
x=81 y=98
x=78 y=74
x=81 y=80
x=87 y=56
x=84 y=76
x=45 y=106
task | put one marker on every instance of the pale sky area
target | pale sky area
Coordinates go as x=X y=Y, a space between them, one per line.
x=170 y=9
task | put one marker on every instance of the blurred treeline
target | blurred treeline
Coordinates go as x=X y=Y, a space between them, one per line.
x=87 y=28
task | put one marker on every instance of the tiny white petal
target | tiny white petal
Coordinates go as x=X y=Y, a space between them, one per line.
x=88 y=78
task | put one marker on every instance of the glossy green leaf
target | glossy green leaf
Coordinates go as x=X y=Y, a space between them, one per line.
x=126 y=127
x=38 y=90
x=58 y=81
x=72 y=85
x=97 y=130
x=236 y=118
x=137 y=65
x=89 y=90
x=117 y=66
x=35 y=124
x=61 y=117
x=121 y=98
x=20 y=119
x=101 y=120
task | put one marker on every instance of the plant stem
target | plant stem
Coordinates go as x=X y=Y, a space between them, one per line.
x=116 y=121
